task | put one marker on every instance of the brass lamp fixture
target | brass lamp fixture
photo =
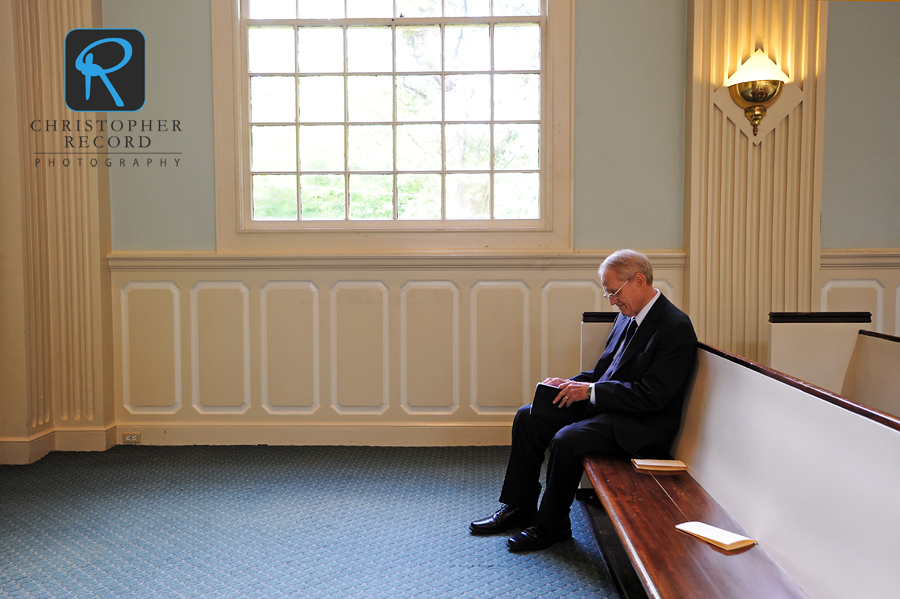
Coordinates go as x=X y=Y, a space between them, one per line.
x=755 y=86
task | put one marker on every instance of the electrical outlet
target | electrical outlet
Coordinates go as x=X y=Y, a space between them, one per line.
x=131 y=437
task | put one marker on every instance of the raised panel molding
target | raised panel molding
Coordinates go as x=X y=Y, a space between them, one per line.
x=265 y=373
x=340 y=408
x=410 y=287
x=196 y=399
x=562 y=286
x=873 y=284
x=526 y=383
x=177 y=398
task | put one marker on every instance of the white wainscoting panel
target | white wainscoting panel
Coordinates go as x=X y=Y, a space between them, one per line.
x=151 y=347
x=429 y=347
x=220 y=347
x=360 y=347
x=289 y=348
x=404 y=350
x=501 y=339
x=562 y=303
x=847 y=295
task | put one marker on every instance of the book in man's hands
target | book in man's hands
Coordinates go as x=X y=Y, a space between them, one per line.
x=716 y=536
x=659 y=465
x=542 y=406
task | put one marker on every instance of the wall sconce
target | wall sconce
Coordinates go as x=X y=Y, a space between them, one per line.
x=755 y=86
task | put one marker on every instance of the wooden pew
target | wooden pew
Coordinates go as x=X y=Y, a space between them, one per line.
x=873 y=375
x=815 y=347
x=812 y=476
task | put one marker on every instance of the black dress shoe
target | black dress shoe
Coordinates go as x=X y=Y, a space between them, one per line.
x=502 y=520
x=538 y=536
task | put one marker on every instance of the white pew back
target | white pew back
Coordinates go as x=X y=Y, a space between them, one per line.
x=873 y=375
x=813 y=477
x=815 y=347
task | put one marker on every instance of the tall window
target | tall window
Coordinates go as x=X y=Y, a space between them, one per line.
x=398 y=111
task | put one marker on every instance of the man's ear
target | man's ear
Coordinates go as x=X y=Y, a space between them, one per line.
x=640 y=278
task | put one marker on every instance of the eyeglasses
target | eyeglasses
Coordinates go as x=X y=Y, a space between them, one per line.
x=614 y=296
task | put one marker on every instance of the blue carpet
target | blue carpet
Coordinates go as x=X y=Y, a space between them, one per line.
x=373 y=522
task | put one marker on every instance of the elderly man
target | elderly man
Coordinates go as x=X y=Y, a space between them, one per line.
x=632 y=407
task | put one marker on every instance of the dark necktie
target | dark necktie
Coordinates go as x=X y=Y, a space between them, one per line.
x=629 y=333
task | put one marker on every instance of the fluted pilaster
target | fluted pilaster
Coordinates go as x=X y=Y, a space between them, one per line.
x=753 y=202
x=66 y=233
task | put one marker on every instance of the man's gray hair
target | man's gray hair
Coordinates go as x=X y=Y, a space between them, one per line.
x=626 y=264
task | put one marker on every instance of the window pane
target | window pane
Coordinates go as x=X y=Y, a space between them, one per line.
x=468 y=196
x=321 y=99
x=468 y=97
x=517 y=47
x=274 y=197
x=418 y=48
x=271 y=49
x=468 y=147
x=371 y=197
x=271 y=99
x=322 y=197
x=418 y=8
x=419 y=98
x=371 y=148
x=467 y=48
x=517 y=8
x=419 y=147
x=272 y=9
x=419 y=197
x=369 y=50
x=516 y=147
x=467 y=8
x=378 y=9
x=322 y=148
x=320 y=49
x=321 y=9
x=370 y=98
x=273 y=148
x=517 y=195
x=517 y=96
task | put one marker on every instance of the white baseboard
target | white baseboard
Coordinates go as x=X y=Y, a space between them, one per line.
x=264 y=434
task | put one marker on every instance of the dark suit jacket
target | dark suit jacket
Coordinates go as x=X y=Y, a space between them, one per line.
x=645 y=392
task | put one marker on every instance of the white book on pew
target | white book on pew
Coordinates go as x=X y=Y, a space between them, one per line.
x=660 y=465
x=715 y=536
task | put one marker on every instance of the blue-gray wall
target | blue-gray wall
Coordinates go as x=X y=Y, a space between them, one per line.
x=168 y=208
x=861 y=181
x=630 y=60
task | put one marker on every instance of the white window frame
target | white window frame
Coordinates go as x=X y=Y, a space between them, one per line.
x=236 y=233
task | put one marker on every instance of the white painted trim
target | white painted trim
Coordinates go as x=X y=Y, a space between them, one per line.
x=126 y=348
x=473 y=345
x=264 y=348
x=381 y=434
x=404 y=349
x=122 y=261
x=545 y=314
x=195 y=346
x=857 y=284
x=385 y=349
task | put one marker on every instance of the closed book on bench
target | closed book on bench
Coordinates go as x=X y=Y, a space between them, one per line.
x=659 y=465
x=715 y=536
x=542 y=406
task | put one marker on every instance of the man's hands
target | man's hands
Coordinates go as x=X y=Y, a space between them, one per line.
x=570 y=391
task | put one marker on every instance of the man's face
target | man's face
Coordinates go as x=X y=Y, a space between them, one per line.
x=630 y=297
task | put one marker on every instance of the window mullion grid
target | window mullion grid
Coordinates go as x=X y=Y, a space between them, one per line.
x=395 y=200
x=346 y=123
x=299 y=201
x=491 y=149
